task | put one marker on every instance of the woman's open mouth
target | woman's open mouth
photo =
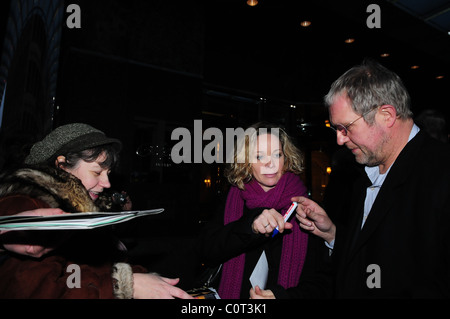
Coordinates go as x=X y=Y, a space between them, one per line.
x=94 y=195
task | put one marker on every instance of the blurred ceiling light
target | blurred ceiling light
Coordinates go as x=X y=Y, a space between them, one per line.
x=305 y=23
x=349 y=40
x=252 y=3
x=414 y=67
x=384 y=55
x=439 y=77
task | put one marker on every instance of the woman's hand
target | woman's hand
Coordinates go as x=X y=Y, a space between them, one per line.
x=268 y=220
x=258 y=293
x=153 y=286
x=21 y=242
x=42 y=212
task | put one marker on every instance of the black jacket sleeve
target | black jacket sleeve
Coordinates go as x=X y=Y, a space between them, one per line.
x=219 y=243
x=317 y=279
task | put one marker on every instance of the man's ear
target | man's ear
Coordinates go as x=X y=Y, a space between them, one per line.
x=388 y=115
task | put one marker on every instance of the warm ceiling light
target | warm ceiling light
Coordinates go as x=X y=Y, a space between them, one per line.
x=349 y=40
x=414 y=67
x=384 y=55
x=305 y=23
x=252 y=3
x=439 y=77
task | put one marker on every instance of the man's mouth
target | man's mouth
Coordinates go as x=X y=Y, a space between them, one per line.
x=353 y=149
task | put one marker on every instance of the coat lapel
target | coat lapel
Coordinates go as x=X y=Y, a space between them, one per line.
x=355 y=229
x=380 y=208
x=397 y=176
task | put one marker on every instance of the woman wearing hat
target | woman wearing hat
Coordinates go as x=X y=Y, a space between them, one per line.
x=67 y=172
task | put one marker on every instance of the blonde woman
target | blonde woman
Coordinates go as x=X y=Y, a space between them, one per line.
x=264 y=177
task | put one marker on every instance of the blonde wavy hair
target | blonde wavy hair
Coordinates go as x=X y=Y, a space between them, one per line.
x=239 y=172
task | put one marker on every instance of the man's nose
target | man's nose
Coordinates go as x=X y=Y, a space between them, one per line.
x=341 y=139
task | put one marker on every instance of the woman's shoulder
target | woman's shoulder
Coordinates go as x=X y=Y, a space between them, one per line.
x=52 y=186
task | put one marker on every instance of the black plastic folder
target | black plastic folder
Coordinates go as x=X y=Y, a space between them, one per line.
x=72 y=221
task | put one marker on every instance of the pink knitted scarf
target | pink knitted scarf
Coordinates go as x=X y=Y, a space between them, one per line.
x=294 y=242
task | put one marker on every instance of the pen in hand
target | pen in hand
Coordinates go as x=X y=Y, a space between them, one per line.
x=286 y=216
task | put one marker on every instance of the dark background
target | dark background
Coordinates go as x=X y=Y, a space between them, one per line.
x=140 y=69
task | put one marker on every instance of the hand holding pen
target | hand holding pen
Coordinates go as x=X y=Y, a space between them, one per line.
x=286 y=216
x=268 y=221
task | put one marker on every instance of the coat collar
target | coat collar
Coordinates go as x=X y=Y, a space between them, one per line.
x=399 y=172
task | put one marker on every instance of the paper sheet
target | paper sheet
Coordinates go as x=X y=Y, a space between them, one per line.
x=259 y=274
x=71 y=221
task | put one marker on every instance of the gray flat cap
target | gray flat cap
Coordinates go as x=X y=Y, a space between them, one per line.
x=73 y=137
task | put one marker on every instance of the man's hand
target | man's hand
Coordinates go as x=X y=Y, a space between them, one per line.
x=314 y=219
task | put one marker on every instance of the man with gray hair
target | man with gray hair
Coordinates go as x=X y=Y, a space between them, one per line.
x=394 y=243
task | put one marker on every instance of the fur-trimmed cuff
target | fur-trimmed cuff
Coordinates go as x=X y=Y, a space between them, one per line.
x=122 y=275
